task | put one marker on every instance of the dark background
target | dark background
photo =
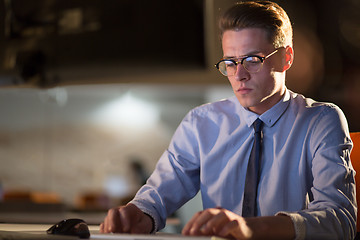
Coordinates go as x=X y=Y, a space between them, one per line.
x=40 y=36
x=327 y=40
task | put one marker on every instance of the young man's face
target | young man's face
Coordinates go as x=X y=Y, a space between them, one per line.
x=261 y=90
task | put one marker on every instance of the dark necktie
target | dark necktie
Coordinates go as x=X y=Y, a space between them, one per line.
x=252 y=174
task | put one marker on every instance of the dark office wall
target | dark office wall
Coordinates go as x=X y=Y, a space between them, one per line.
x=327 y=49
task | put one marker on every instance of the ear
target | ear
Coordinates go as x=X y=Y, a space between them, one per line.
x=289 y=58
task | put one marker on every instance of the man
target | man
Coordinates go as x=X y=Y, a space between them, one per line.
x=304 y=187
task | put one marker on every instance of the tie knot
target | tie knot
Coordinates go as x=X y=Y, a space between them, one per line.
x=258 y=125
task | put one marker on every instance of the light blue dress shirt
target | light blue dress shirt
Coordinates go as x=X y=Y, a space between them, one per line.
x=306 y=171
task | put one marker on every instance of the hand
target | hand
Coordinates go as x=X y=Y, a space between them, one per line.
x=219 y=222
x=224 y=223
x=126 y=219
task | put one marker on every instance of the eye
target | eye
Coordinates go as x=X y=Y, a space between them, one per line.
x=229 y=63
x=252 y=60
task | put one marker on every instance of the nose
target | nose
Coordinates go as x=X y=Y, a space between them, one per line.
x=241 y=73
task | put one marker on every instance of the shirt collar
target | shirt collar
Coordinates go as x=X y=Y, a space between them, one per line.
x=271 y=116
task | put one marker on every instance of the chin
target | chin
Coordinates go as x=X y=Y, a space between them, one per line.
x=245 y=102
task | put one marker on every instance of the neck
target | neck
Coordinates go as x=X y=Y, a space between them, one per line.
x=268 y=102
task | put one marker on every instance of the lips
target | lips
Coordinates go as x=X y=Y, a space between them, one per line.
x=244 y=90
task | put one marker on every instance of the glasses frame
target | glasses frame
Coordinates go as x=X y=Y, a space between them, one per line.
x=241 y=61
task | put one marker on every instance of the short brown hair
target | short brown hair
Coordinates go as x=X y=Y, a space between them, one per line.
x=259 y=14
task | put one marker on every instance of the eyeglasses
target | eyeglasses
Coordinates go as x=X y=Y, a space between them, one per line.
x=251 y=63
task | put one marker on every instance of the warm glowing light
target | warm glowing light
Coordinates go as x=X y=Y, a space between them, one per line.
x=117 y=186
x=128 y=111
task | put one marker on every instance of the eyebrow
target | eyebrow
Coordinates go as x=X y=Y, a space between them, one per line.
x=252 y=53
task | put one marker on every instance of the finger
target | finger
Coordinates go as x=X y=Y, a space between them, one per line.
x=105 y=225
x=102 y=227
x=112 y=223
x=200 y=222
x=127 y=219
x=215 y=224
x=237 y=229
x=189 y=224
x=229 y=229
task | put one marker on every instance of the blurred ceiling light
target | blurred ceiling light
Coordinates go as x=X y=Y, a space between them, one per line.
x=56 y=95
x=128 y=111
x=116 y=186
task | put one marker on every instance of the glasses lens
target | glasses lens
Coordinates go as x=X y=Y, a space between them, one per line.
x=253 y=64
x=227 y=67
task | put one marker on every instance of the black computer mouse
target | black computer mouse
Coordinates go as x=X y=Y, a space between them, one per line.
x=73 y=227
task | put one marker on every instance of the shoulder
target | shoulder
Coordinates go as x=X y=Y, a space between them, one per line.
x=203 y=123
x=215 y=114
x=222 y=107
x=317 y=112
x=309 y=105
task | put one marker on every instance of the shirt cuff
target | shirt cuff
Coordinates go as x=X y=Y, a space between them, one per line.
x=299 y=224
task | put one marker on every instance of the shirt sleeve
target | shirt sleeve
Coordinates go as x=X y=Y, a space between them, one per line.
x=298 y=222
x=331 y=212
x=175 y=179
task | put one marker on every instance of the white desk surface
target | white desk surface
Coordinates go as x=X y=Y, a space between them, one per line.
x=35 y=227
x=94 y=230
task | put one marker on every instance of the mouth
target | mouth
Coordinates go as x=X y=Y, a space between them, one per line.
x=244 y=90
